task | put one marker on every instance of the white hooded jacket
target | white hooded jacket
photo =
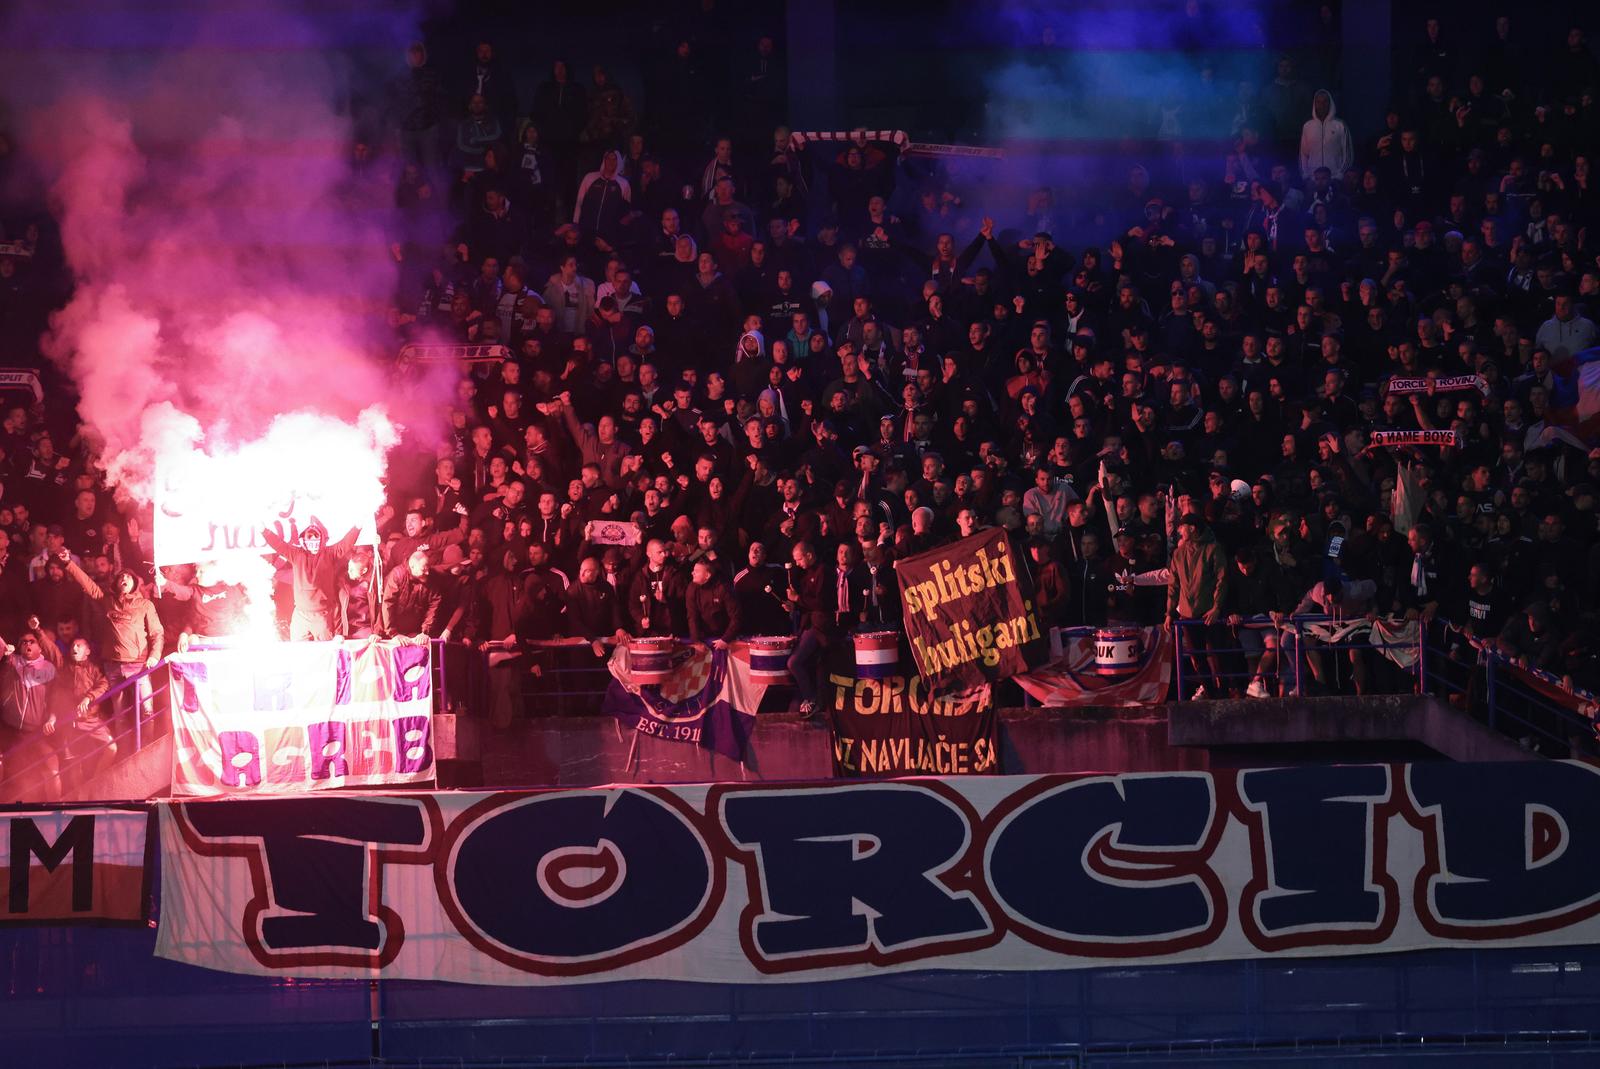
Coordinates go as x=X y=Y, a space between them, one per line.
x=1325 y=142
x=599 y=175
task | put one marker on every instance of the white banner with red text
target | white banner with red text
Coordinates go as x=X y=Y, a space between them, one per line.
x=290 y=717
x=750 y=882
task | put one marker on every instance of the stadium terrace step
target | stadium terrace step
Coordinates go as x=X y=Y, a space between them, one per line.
x=144 y=774
x=1375 y=721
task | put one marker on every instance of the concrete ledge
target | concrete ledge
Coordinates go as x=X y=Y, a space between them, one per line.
x=1340 y=721
x=589 y=750
x=593 y=750
x=146 y=774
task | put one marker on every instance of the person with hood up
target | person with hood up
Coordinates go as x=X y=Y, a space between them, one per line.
x=319 y=571
x=604 y=197
x=1325 y=139
x=82 y=684
x=1199 y=571
x=752 y=347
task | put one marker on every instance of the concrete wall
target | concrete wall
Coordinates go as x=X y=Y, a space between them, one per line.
x=590 y=750
x=593 y=750
x=583 y=751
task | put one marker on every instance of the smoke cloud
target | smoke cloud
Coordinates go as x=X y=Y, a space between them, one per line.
x=1089 y=90
x=230 y=265
x=1115 y=71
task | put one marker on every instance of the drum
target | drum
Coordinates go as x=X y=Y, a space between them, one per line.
x=1118 y=650
x=651 y=660
x=769 y=658
x=877 y=654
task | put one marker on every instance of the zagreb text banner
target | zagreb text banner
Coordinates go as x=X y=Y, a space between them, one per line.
x=286 y=718
x=746 y=883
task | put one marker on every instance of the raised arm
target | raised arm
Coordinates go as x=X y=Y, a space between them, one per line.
x=81 y=577
x=272 y=538
x=969 y=255
x=345 y=545
x=569 y=417
x=48 y=647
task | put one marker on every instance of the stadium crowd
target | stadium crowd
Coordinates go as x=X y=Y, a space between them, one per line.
x=747 y=373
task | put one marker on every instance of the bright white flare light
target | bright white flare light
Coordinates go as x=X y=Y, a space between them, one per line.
x=213 y=497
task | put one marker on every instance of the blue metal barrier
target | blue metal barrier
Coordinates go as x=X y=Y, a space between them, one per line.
x=1294 y=644
x=1488 y=685
x=1503 y=695
x=143 y=729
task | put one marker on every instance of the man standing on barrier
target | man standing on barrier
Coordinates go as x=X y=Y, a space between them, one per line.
x=411 y=599
x=1199 y=583
x=810 y=596
x=319 y=571
x=131 y=635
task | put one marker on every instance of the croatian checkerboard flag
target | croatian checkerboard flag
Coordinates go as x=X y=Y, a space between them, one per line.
x=709 y=700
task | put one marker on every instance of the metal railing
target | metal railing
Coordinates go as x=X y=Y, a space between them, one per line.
x=1538 y=708
x=1297 y=641
x=149 y=721
x=564 y=677
x=126 y=735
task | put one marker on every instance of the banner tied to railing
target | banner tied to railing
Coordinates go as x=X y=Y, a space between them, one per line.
x=749 y=882
x=290 y=717
x=694 y=695
x=1398 y=438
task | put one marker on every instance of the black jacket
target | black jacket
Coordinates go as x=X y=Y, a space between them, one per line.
x=713 y=611
x=410 y=605
x=592 y=610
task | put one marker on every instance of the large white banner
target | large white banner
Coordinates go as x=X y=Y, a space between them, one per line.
x=748 y=882
x=291 y=717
